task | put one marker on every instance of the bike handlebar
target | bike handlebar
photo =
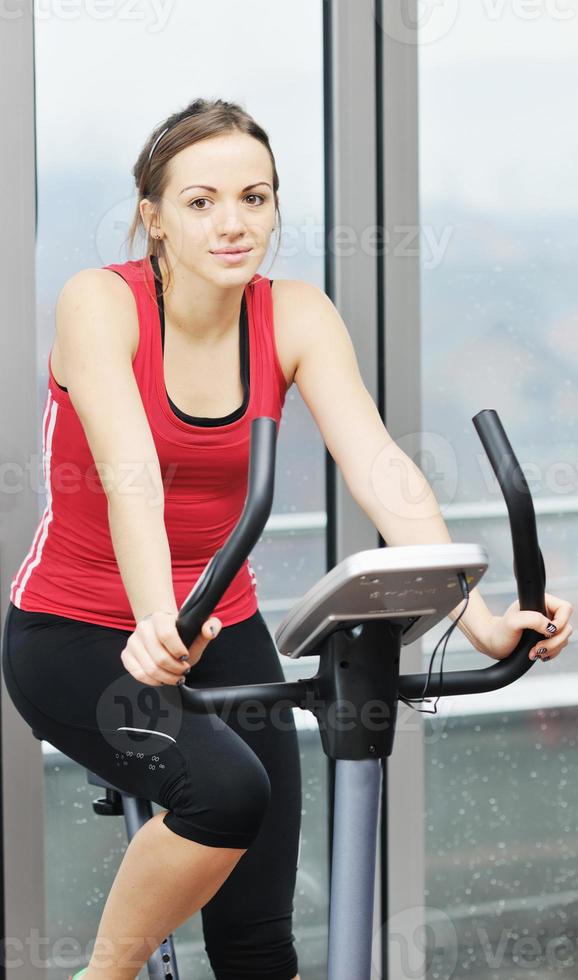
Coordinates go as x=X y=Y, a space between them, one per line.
x=216 y=577
x=528 y=569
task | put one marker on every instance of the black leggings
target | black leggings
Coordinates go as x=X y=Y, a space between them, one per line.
x=228 y=780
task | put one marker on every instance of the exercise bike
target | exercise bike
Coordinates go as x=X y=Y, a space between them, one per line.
x=355 y=619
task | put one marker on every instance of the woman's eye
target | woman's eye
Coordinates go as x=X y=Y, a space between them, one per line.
x=196 y=201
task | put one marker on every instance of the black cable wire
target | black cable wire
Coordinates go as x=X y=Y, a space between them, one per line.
x=411 y=701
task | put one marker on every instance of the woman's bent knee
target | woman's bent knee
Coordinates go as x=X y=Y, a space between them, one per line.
x=221 y=809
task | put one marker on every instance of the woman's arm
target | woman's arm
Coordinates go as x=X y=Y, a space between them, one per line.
x=95 y=321
x=382 y=479
x=141 y=548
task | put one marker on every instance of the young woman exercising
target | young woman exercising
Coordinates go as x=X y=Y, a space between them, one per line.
x=157 y=369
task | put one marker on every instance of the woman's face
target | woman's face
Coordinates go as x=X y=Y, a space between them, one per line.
x=195 y=221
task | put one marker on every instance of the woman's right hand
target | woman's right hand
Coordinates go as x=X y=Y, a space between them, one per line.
x=155 y=654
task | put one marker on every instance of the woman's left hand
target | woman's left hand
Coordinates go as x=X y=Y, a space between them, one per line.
x=504 y=632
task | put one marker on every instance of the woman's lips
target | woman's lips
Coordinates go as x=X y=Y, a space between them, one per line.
x=231 y=258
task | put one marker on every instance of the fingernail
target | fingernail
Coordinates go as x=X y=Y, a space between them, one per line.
x=550 y=628
x=188 y=670
x=213 y=630
x=544 y=659
x=185 y=657
x=541 y=651
x=181 y=680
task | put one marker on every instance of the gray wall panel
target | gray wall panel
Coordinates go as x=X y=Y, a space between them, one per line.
x=23 y=808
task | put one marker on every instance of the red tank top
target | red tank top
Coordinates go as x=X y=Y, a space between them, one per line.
x=71 y=569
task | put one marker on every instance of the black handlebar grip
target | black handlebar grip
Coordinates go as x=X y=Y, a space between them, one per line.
x=528 y=561
x=226 y=562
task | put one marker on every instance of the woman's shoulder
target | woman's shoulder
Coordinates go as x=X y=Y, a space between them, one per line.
x=291 y=298
x=102 y=289
x=112 y=281
x=296 y=290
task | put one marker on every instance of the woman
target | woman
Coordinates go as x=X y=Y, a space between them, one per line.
x=162 y=364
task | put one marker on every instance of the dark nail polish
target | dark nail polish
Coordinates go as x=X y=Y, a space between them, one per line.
x=188 y=670
x=541 y=651
x=544 y=659
x=181 y=681
x=550 y=628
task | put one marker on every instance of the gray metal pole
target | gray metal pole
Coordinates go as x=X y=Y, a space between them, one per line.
x=356 y=814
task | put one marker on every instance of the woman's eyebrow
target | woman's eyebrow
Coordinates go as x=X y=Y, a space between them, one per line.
x=215 y=191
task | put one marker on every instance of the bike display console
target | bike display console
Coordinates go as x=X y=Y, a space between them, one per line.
x=415 y=587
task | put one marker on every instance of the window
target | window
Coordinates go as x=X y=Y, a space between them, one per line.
x=499 y=304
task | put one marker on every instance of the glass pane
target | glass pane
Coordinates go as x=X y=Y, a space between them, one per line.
x=499 y=201
x=129 y=70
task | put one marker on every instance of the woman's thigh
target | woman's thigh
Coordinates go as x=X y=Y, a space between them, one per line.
x=68 y=682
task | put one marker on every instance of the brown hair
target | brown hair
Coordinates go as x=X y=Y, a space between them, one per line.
x=200 y=120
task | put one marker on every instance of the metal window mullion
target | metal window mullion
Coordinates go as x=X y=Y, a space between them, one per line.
x=351 y=269
x=401 y=411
